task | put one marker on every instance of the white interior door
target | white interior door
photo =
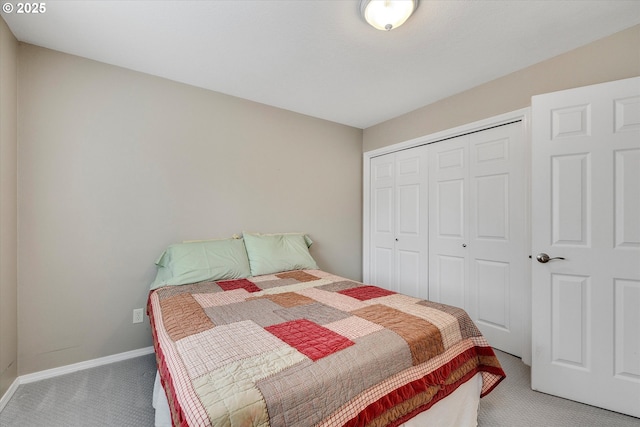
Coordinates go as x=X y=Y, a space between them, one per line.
x=478 y=230
x=586 y=209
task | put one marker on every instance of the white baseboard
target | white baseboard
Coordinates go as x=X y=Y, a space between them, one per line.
x=67 y=369
x=7 y=395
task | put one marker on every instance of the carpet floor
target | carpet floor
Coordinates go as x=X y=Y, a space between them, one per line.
x=119 y=395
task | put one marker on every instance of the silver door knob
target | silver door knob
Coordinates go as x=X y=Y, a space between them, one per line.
x=544 y=258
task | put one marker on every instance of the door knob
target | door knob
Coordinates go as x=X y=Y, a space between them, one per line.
x=544 y=258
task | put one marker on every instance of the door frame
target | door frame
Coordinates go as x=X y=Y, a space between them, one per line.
x=523 y=115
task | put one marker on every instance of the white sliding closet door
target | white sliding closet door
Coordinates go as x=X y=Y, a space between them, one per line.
x=399 y=223
x=478 y=238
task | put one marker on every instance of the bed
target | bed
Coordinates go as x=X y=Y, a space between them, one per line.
x=268 y=339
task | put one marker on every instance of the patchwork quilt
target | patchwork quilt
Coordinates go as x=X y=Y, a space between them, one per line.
x=308 y=348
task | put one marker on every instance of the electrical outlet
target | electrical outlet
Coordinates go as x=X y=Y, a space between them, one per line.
x=137 y=315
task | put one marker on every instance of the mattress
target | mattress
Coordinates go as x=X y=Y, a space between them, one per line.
x=309 y=348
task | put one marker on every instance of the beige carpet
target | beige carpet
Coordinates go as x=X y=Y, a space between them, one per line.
x=513 y=403
x=119 y=395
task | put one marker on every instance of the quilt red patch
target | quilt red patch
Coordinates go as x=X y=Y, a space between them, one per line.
x=229 y=285
x=309 y=338
x=364 y=293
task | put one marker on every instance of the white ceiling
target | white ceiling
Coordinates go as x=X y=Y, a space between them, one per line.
x=317 y=57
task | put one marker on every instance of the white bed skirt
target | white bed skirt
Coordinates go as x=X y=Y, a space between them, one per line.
x=459 y=409
x=160 y=404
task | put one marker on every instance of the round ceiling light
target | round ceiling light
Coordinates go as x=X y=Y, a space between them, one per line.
x=386 y=15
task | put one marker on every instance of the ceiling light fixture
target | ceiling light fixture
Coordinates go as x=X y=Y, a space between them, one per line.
x=387 y=14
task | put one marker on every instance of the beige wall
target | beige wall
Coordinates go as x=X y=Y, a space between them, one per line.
x=612 y=58
x=114 y=165
x=8 y=208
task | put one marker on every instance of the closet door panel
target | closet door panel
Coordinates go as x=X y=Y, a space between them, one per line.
x=450 y=277
x=408 y=272
x=497 y=234
x=450 y=205
x=382 y=268
x=492 y=280
x=448 y=228
x=383 y=212
x=408 y=244
x=412 y=240
x=492 y=214
x=382 y=221
x=399 y=223
x=408 y=210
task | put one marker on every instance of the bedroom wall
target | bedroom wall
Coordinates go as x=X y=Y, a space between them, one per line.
x=114 y=165
x=612 y=58
x=8 y=207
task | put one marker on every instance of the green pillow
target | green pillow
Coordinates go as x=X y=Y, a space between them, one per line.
x=274 y=253
x=204 y=260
